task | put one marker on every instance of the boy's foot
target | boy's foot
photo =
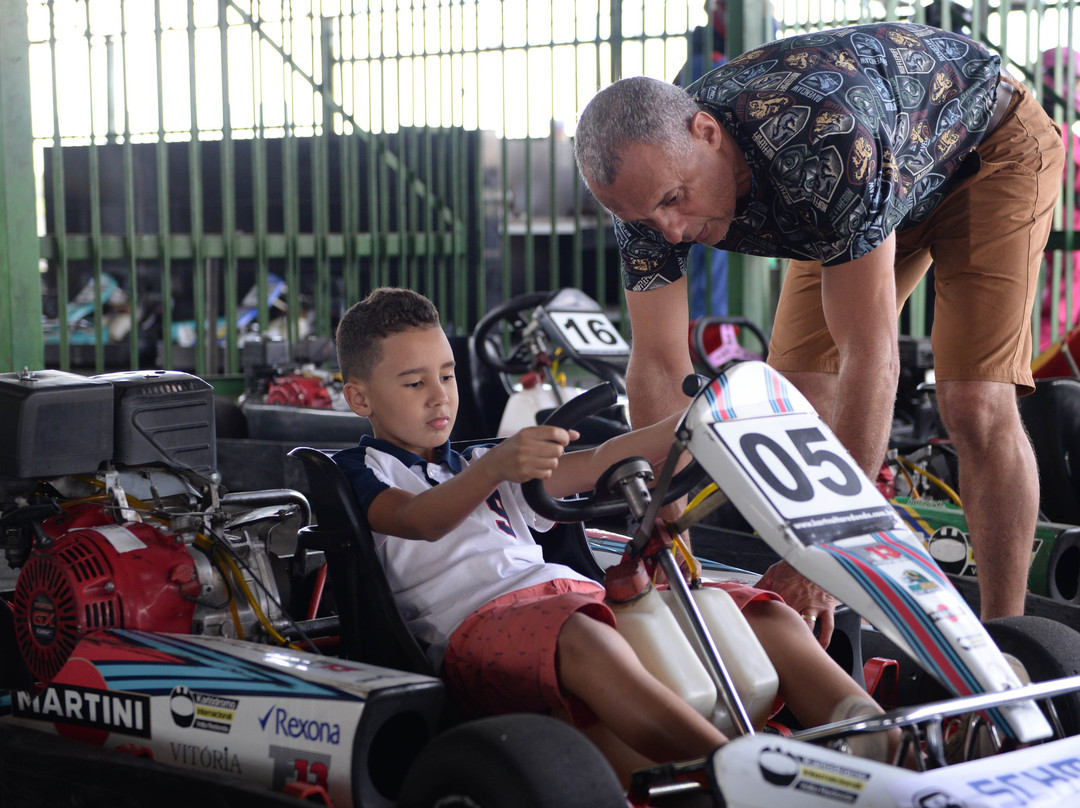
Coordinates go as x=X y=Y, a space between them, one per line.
x=870 y=745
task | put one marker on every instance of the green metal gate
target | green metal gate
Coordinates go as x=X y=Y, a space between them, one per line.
x=181 y=175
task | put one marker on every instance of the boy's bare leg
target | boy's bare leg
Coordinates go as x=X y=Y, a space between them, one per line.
x=811 y=683
x=596 y=664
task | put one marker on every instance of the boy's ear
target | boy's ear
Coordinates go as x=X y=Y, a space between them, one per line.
x=357 y=398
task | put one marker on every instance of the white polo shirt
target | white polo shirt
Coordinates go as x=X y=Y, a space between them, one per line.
x=438 y=584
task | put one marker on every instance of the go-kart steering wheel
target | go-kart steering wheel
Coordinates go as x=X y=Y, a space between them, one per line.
x=598 y=503
x=515 y=313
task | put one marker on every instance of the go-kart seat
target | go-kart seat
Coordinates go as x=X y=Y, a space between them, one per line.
x=372 y=628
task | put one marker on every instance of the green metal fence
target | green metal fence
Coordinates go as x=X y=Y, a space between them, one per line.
x=206 y=170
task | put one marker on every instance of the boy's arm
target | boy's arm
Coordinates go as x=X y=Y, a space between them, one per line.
x=532 y=453
x=579 y=471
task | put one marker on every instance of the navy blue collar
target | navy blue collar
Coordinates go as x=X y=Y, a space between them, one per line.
x=444 y=453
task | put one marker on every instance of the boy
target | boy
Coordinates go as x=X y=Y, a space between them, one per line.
x=508 y=631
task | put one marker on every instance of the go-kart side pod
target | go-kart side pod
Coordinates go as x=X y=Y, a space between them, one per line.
x=270 y=717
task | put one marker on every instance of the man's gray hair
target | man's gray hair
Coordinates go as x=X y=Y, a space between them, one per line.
x=634 y=110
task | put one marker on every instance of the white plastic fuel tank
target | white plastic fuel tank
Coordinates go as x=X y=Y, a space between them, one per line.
x=653 y=625
x=653 y=632
x=751 y=671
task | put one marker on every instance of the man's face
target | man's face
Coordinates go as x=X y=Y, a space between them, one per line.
x=686 y=198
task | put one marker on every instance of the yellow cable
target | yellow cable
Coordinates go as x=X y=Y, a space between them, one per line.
x=691 y=562
x=701 y=497
x=206 y=543
x=944 y=486
x=134 y=502
x=237 y=625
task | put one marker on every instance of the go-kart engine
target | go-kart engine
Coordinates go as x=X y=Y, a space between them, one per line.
x=93 y=573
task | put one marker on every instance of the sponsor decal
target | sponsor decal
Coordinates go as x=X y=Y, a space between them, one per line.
x=298 y=765
x=206 y=757
x=1046 y=777
x=278 y=721
x=206 y=711
x=943 y=612
x=43 y=620
x=821 y=778
x=917 y=582
x=1033 y=786
x=935 y=798
x=106 y=710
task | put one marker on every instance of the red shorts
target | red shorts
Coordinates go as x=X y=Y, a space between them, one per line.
x=502 y=658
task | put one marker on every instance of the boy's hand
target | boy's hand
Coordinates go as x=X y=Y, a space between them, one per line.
x=531 y=454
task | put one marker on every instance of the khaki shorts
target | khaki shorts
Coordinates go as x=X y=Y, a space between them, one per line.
x=985 y=240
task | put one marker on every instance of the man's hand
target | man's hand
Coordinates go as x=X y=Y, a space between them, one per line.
x=814 y=604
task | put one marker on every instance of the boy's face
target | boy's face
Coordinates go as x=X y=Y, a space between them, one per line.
x=411 y=397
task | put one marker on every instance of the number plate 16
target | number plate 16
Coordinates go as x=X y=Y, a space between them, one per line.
x=589 y=332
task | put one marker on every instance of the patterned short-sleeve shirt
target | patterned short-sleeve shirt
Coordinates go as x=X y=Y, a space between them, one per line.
x=850 y=135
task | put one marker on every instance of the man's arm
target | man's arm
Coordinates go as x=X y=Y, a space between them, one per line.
x=659 y=353
x=859 y=301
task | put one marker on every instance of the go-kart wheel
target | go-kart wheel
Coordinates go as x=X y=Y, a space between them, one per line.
x=595 y=505
x=510 y=318
x=511 y=761
x=1048 y=650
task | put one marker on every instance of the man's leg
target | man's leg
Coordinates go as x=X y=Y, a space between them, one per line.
x=999 y=486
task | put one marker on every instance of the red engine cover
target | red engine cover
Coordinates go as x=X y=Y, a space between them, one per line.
x=99 y=575
x=299 y=391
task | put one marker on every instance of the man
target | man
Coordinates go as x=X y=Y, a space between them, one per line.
x=862 y=154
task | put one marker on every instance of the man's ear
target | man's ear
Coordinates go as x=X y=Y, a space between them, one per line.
x=704 y=126
x=357 y=398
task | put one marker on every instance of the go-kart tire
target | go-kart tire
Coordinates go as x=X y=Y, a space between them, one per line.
x=1048 y=650
x=511 y=761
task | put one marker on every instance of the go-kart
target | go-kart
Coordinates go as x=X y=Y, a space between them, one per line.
x=764 y=447
x=537 y=351
x=168 y=640
x=157 y=615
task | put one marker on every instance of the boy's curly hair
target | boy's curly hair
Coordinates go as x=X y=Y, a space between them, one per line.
x=384 y=312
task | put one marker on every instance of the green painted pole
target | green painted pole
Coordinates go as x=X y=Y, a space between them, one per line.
x=21 y=341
